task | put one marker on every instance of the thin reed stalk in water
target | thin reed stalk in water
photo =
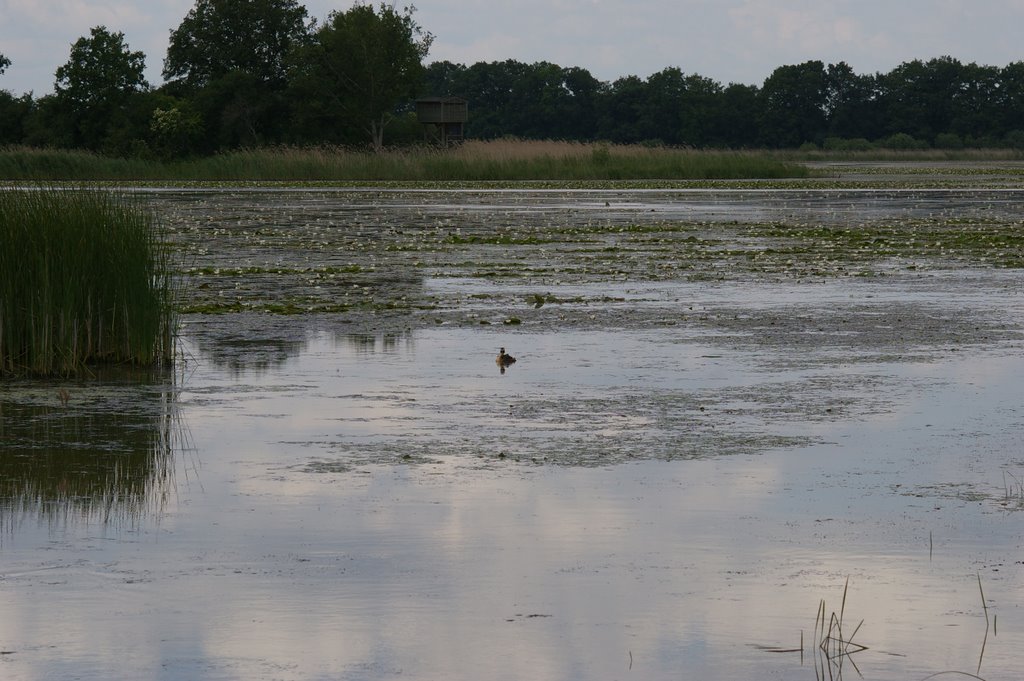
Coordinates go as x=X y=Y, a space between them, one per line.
x=835 y=647
x=984 y=641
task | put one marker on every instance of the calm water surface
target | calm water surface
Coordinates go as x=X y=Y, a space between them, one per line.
x=356 y=510
x=645 y=503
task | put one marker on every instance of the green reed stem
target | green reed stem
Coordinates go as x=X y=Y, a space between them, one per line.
x=84 y=279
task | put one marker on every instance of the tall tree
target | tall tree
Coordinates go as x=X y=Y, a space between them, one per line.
x=585 y=93
x=220 y=36
x=444 y=79
x=795 y=98
x=920 y=96
x=1009 y=102
x=701 y=105
x=230 y=58
x=679 y=109
x=623 y=108
x=659 y=115
x=975 y=104
x=13 y=111
x=94 y=88
x=491 y=88
x=547 y=101
x=362 y=63
x=851 y=103
x=739 y=119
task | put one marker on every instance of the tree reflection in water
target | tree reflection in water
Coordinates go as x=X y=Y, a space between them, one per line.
x=106 y=455
x=238 y=355
x=368 y=344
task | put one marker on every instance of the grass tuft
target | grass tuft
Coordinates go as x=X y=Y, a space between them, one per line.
x=84 y=279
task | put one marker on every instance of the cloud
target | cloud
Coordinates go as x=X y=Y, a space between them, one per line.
x=727 y=40
x=37 y=36
x=815 y=30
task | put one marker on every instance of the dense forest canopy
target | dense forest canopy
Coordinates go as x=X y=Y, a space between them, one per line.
x=940 y=102
x=242 y=73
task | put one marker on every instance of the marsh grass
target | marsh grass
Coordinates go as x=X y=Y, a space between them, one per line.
x=474 y=161
x=880 y=154
x=84 y=279
x=24 y=163
x=1013 y=490
x=834 y=645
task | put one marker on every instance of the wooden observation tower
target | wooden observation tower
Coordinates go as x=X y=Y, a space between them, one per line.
x=445 y=117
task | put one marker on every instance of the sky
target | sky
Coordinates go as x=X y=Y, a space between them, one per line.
x=730 y=41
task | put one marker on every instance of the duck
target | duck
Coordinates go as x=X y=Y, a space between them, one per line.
x=504 y=359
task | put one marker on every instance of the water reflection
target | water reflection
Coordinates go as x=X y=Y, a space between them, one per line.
x=95 y=454
x=261 y=354
x=368 y=343
x=661 y=501
x=463 y=564
x=236 y=355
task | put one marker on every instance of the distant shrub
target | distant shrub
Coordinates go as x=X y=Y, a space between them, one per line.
x=1014 y=139
x=843 y=144
x=983 y=142
x=902 y=141
x=948 y=140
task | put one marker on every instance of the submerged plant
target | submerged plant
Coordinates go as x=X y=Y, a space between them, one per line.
x=84 y=279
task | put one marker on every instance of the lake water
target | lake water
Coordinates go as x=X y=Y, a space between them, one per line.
x=323 y=498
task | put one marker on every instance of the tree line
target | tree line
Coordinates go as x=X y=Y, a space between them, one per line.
x=238 y=73
x=940 y=102
x=243 y=73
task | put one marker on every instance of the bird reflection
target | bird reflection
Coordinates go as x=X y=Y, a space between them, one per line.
x=504 y=360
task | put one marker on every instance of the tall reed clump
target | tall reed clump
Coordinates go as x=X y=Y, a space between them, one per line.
x=85 y=278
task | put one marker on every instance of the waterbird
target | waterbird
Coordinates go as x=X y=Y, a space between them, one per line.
x=504 y=359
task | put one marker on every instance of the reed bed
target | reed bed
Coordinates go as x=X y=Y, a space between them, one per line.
x=883 y=155
x=84 y=279
x=49 y=165
x=474 y=161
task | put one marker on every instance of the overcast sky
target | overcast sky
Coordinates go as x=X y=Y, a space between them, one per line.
x=740 y=41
